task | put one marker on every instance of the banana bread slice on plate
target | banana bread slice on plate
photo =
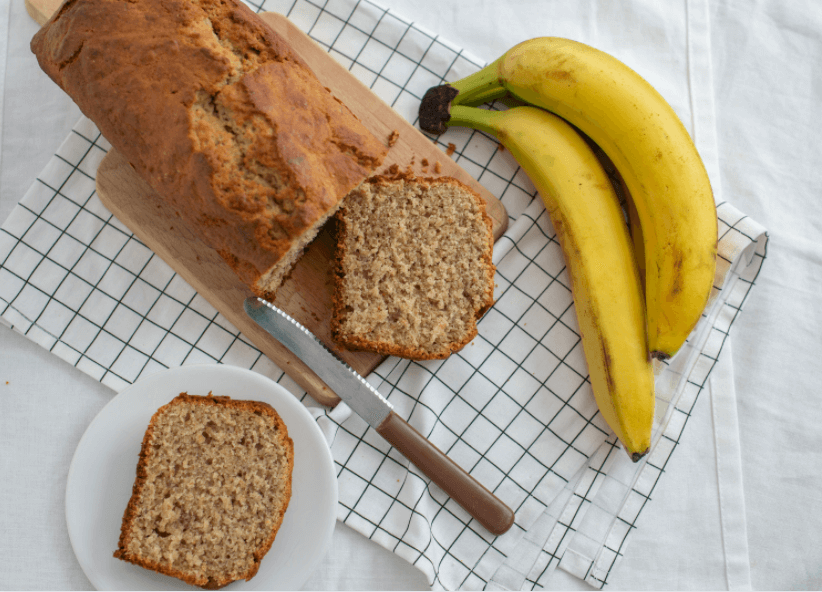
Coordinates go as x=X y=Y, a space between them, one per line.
x=213 y=484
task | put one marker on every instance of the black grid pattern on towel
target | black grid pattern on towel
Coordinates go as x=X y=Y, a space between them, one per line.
x=76 y=281
x=514 y=407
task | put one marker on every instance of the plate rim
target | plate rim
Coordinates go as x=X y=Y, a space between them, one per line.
x=327 y=456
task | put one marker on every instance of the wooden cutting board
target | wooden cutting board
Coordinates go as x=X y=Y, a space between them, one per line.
x=306 y=295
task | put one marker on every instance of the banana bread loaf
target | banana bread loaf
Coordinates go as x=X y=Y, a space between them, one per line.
x=221 y=118
x=213 y=484
x=413 y=269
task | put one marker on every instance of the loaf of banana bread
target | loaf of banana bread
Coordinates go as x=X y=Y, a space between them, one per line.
x=221 y=118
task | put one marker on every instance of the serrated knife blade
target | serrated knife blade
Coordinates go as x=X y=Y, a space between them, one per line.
x=369 y=404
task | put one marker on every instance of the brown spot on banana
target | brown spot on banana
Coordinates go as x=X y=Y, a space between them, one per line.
x=561 y=76
x=606 y=364
x=678 y=283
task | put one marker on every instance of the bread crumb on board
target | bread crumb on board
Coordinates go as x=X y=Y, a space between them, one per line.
x=392 y=139
x=395 y=170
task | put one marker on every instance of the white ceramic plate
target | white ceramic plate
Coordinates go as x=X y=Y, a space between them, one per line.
x=104 y=467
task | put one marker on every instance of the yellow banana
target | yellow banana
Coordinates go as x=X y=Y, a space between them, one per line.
x=591 y=228
x=634 y=227
x=650 y=148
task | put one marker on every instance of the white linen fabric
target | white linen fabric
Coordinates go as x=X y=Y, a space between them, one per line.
x=514 y=408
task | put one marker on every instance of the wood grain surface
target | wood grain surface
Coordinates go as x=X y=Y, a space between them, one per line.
x=307 y=293
x=41 y=10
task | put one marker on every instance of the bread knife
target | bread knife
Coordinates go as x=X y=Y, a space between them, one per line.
x=369 y=404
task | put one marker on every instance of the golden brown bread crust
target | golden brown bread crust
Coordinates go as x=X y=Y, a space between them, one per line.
x=217 y=114
x=145 y=457
x=360 y=343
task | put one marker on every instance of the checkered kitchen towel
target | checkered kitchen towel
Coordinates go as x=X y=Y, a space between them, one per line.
x=514 y=408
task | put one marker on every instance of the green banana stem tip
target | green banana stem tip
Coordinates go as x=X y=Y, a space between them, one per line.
x=482 y=86
x=441 y=115
x=478 y=88
x=483 y=120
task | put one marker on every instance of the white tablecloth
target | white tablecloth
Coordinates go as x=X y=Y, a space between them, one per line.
x=735 y=507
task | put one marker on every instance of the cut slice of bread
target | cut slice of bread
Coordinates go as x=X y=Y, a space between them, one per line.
x=213 y=484
x=413 y=270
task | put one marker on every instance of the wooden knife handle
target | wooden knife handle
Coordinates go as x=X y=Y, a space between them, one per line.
x=459 y=485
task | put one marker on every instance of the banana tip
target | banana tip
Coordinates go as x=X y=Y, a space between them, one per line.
x=636 y=456
x=435 y=108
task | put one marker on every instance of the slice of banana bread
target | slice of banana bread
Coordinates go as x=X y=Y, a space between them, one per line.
x=213 y=484
x=413 y=269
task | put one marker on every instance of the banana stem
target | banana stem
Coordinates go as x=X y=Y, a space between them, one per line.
x=478 y=119
x=480 y=87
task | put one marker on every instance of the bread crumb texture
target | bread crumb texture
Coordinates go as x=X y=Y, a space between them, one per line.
x=414 y=270
x=213 y=484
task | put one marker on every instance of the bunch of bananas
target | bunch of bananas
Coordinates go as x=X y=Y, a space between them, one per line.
x=638 y=293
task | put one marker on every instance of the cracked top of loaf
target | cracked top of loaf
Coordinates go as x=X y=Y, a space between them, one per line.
x=221 y=118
